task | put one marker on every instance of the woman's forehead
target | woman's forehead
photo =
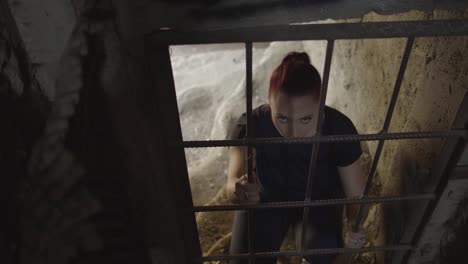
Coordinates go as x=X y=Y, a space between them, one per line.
x=293 y=106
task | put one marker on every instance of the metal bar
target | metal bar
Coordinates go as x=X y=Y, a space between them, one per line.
x=388 y=119
x=322 y=251
x=320 y=117
x=316 y=146
x=440 y=174
x=398 y=29
x=248 y=98
x=326 y=138
x=250 y=134
x=398 y=82
x=315 y=203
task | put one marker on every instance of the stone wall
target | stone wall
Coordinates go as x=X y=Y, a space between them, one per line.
x=23 y=110
x=433 y=87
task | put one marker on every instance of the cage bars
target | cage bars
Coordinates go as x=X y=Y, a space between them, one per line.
x=330 y=32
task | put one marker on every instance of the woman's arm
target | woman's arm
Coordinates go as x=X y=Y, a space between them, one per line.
x=235 y=171
x=353 y=181
x=237 y=183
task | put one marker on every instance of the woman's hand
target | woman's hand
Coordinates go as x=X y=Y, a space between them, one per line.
x=355 y=239
x=247 y=193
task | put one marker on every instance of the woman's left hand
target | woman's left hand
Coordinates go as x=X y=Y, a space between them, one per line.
x=355 y=239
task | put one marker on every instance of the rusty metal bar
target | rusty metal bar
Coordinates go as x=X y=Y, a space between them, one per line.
x=322 y=251
x=315 y=203
x=316 y=146
x=397 y=29
x=326 y=138
x=386 y=125
x=249 y=135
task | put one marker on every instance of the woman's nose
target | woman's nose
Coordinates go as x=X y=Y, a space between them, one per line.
x=293 y=131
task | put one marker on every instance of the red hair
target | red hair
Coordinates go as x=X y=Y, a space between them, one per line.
x=295 y=76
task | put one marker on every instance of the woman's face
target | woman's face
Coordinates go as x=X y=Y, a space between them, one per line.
x=294 y=116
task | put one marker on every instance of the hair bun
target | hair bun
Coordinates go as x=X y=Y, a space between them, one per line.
x=296 y=57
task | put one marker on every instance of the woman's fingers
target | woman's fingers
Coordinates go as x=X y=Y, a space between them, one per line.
x=355 y=239
x=248 y=197
x=245 y=186
x=247 y=192
x=251 y=197
x=356 y=235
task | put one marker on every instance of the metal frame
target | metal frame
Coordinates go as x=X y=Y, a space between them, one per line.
x=401 y=29
x=250 y=134
x=329 y=32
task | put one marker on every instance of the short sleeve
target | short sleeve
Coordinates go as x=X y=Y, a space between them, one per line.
x=346 y=153
x=239 y=129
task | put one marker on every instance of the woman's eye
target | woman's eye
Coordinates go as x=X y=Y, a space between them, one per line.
x=306 y=120
x=282 y=119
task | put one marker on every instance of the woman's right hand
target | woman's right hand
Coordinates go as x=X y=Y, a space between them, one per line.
x=247 y=193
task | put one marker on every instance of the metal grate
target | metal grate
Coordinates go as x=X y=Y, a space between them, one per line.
x=330 y=32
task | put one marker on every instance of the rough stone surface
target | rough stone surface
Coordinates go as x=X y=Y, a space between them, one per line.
x=45 y=27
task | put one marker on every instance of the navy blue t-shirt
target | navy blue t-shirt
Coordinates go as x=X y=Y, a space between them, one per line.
x=283 y=169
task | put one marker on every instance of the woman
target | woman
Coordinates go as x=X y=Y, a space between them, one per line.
x=281 y=170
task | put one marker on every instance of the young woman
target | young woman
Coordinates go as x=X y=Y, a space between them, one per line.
x=281 y=170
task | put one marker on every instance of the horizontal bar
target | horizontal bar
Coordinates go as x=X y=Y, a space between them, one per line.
x=329 y=138
x=368 y=30
x=315 y=203
x=321 y=251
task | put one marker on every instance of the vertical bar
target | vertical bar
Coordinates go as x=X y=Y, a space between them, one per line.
x=388 y=119
x=315 y=151
x=250 y=134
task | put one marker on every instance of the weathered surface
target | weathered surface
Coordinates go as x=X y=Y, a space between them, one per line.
x=23 y=111
x=447 y=217
x=228 y=14
x=74 y=206
x=45 y=27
